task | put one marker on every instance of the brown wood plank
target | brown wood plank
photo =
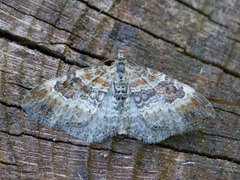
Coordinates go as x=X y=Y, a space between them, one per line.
x=192 y=41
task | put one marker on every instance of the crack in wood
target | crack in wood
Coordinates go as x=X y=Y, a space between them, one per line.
x=217 y=135
x=226 y=111
x=34 y=45
x=182 y=49
x=202 y=13
x=233 y=39
x=132 y=25
x=4 y=71
x=228 y=103
x=61 y=29
x=64 y=142
x=225 y=70
x=53 y=54
x=9 y=163
x=20 y=85
x=10 y=105
x=202 y=154
x=84 y=52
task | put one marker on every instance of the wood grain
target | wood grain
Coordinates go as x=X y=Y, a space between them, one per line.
x=196 y=42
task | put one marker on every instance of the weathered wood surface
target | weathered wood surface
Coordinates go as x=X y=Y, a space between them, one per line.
x=196 y=42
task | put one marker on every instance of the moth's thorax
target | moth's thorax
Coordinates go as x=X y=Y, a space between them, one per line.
x=120 y=83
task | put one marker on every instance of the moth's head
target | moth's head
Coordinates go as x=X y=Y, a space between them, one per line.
x=120 y=56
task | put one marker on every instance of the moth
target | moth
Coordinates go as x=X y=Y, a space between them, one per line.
x=99 y=102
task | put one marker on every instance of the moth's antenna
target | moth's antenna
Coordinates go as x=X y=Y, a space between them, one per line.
x=104 y=61
x=121 y=58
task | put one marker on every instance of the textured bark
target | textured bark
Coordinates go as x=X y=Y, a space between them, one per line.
x=196 y=42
